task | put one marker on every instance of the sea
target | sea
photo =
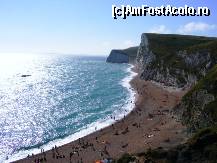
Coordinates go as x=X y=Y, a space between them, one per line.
x=53 y=99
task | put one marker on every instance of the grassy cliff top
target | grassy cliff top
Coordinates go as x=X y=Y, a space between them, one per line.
x=169 y=43
x=132 y=51
x=167 y=46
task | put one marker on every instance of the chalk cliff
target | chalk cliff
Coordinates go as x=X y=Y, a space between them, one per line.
x=175 y=60
x=198 y=111
x=123 y=56
x=179 y=61
x=198 y=108
x=184 y=61
x=118 y=56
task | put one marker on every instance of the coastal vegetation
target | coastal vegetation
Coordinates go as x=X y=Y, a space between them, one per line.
x=184 y=61
x=202 y=145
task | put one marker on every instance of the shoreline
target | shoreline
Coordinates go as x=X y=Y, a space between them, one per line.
x=127 y=107
x=144 y=121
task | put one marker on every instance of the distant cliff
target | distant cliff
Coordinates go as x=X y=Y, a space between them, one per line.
x=179 y=61
x=191 y=62
x=123 y=56
x=174 y=60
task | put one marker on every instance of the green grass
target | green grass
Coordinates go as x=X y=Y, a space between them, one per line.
x=169 y=43
x=202 y=133
x=166 y=46
x=211 y=109
x=201 y=147
x=210 y=46
x=126 y=158
x=132 y=51
x=209 y=82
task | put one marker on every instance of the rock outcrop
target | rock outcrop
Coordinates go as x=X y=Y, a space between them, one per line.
x=201 y=148
x=198 y=108
x=183 y=61
x=175 y=60
x=198 y=111
x=180 y=61
x=144 y=54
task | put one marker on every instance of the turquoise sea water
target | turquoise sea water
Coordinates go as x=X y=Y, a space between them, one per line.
x=65 y=98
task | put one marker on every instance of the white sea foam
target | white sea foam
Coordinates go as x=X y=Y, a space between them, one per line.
x=119 y=114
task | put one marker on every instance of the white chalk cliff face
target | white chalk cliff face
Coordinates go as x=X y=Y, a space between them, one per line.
x=123 y=56
x=144 y=55
x=167 y=59
x=185 y=61
x=153 y=66
x=117 y=56
x=197 y=107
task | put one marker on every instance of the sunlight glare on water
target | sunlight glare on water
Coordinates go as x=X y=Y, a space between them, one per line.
x=62 y=95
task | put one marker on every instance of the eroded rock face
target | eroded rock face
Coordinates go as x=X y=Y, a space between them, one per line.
x=144 y=55
x=167 y=61
x=116 y=56
x=191 y=110
x=196 y=59
x=199 y=61
x=154 y=67
x=159 y=75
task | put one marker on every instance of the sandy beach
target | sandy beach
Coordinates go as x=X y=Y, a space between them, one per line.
x=149 y=125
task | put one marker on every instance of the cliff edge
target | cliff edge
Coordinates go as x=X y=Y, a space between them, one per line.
x=175 y=60
x=183 y=61
x=198 y=111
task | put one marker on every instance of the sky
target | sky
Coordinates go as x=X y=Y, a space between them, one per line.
x=87 y=26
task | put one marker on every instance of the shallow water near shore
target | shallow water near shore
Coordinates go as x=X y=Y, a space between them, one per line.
x=48 y=100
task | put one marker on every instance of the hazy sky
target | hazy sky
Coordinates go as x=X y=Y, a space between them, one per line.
x=87 y=26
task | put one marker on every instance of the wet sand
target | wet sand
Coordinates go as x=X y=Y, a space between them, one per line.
x=149 y=125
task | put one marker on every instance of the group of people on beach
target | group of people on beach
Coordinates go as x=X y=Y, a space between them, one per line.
x=97 y=145
x=75 y=153
x=43 y=158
